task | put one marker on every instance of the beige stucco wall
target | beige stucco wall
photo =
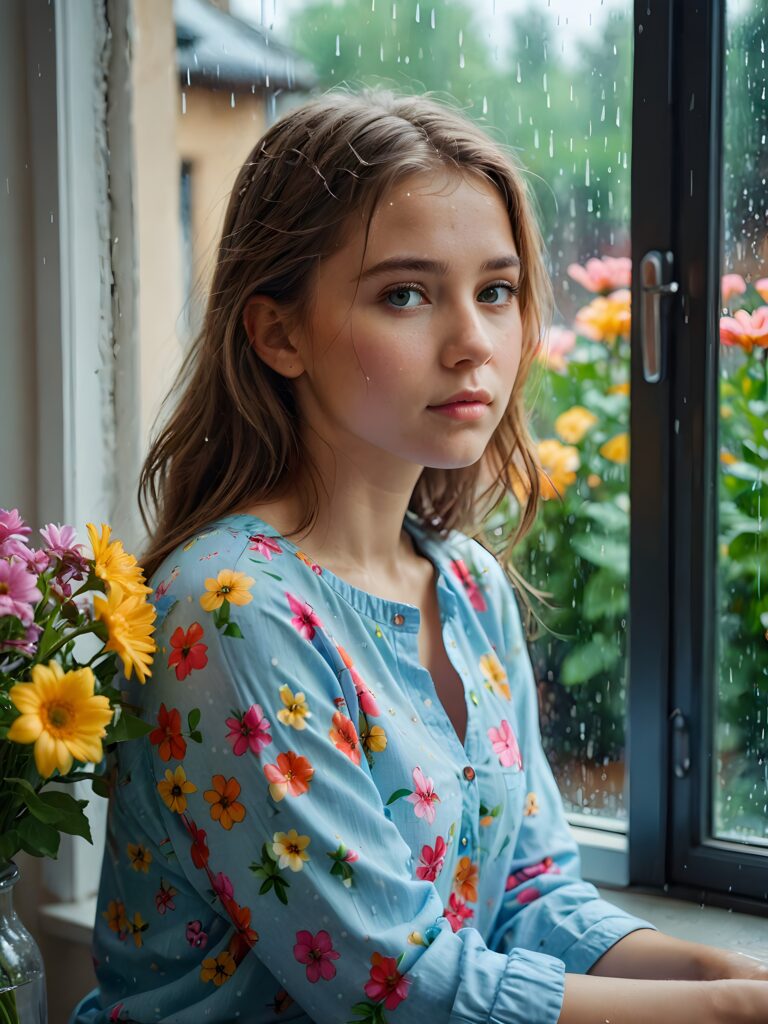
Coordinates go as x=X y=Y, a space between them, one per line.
x=216 y=130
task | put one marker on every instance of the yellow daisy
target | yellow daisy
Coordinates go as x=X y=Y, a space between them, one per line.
x=218 y=969
x=62 y=716
x=296 y=709
x=291 y=848
x=495 y=676
x=113 y=564
x=228 y=586
x=140 y=857
x=129 y=620
x=174 y=788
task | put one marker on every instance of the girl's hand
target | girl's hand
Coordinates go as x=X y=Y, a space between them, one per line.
x=722 y=964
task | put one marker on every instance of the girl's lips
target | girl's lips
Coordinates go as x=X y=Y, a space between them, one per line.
x=461 y=410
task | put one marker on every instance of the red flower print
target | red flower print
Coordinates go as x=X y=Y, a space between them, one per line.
x=344 y=736
x=164 y=898
x=195 y=934
x=457 y=912
x=241 y=919
x=291 y=775
x=187 y=653
x=115 y=1014
x=431 y=861
x=505 y=745
x=386 y=982
x=167 y=736
x=528 y=895
x=425 y=797
x=365 y=698
x=249 y=731
x=474 y=593
x=200 y=852
x=546 y=866
x=317 y=952
x=304 y=619
x=222 y=886
x=266 y=546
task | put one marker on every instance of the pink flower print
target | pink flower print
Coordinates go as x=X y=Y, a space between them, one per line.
x=431 y=861
x=425 y=797
x=351 y=856
x=528 y=895
x=164 y=586
x=164 y=897
x=115 y=1013
x=546 y=866
x=365 y=698
x=386 y=982
x=266 y=546
x=195 y=934
x=317 y=952
x=474 y=593
x=223 y=887
x=457 y=912
x=505 y=745
x=249 y=731
x=304 y=619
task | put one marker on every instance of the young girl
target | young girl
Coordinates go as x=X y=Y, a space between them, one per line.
x=344 y=812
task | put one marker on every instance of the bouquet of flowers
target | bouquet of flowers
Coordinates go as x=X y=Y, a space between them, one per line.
x=66 y=616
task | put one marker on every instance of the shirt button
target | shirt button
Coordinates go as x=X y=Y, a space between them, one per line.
x=398 y=619
x=463 y=840
x=469 y=773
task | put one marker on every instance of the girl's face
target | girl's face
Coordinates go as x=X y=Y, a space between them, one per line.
x=433 y=312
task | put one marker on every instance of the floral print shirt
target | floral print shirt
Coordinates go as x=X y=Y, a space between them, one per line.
x=303 y=837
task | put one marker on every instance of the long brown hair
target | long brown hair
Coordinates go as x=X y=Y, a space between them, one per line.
x=233 y=437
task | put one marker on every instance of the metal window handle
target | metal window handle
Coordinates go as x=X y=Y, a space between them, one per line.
x=681 y=744
x=655 y=271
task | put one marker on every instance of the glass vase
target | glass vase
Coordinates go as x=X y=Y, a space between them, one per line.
x=22 y=976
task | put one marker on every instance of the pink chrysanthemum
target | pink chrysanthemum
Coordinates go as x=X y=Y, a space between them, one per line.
x=18 y=591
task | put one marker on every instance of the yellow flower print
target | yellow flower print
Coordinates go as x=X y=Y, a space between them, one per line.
x=115 y=916
x=218 y=969
x=531 y=804
x=296 y=709
x=137 y=926
x=291 y=848
x=140 y=857
x=416 y=939
x=617 y=449
x=374 y=739
x=174 y=788
x=228 y=586
x=495 y=676
x=573 y=424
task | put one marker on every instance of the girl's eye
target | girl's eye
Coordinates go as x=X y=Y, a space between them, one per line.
x=401 y=297
x=500 y=294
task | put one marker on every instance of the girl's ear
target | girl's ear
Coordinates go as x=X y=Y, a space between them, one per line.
x=266 y=324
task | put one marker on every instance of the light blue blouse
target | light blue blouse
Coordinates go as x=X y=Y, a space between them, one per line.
x=304 y=837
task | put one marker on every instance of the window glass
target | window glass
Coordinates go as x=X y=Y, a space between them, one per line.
x=740 y=779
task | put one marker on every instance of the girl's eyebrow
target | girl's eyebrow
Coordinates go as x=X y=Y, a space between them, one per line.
x=424 y=266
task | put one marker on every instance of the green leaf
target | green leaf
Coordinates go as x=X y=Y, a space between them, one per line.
x=398 y=794
x=588 y=660
x=127 y=727
x=196 y=736
x=603 y=551
x=193 y=719
x=37 y=838
x=10 y=844
x=608 y=515
x=233 y=630
x=272 y=574
x=71 y=815
x=605 y=594
x=266 y=885
x=34 y=802
x=100 y=786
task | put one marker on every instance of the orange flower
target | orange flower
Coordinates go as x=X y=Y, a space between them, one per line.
x=559 y=463
x=140 y=857
x=573 y=424
x=344 y=736
x=223 y=800
x=465 y=880
x=607 y=317
x=218 y=969
x=745 y=330
x=617 y=449
x=291 y=774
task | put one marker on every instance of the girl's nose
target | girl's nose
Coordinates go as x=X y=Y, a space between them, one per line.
x=466 y=336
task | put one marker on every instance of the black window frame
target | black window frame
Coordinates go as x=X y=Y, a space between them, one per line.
x=674 y=465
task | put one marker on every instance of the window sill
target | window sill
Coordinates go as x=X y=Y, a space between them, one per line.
x=685 y=920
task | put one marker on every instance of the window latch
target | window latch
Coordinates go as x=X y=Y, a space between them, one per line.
x=656 y=283
x=681 y=744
